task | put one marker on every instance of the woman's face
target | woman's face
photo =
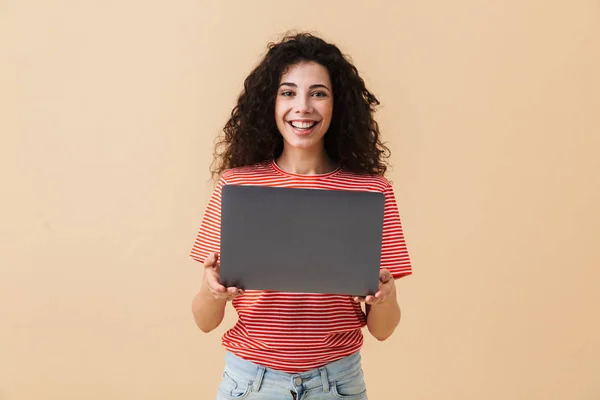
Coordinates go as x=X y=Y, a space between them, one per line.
x=304 y=105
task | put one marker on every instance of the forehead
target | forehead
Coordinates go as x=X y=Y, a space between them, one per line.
x=306 y=72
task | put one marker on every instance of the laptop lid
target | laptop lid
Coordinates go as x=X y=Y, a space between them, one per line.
x=301 y=240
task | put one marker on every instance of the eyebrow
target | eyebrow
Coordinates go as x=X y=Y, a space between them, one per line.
x=317 y=85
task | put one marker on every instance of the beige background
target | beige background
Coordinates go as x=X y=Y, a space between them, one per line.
x=108 y=114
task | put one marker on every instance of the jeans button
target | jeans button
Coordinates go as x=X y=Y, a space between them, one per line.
x=297 y=381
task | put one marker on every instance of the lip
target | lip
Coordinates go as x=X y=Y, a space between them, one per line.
x=303 y=120
x=303 y=132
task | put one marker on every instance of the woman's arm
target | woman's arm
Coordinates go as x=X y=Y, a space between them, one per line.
x=208 y=306
x=383 y=318
x=208 y=311
x=382 y=309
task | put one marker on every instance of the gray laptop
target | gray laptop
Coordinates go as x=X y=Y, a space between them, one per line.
x=301 y=240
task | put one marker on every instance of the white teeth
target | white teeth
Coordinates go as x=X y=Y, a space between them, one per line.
x=303 y=125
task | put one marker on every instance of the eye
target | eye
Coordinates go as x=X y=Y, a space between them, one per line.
x=287 y=93
x=319 y=94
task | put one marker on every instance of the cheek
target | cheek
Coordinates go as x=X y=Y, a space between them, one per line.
x=277 y=109
x=282 y=107
x=278 y=106
x=327 y=111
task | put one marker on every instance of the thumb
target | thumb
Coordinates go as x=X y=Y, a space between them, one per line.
x=216 y=262
x=211 y=260
x=385 y=275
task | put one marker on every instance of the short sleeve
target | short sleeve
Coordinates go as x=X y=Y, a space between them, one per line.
x=394 y=253
x=208 y=239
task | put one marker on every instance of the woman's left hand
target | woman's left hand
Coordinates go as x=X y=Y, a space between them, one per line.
x=387 y=289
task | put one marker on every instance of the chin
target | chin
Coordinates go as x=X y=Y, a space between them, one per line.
x=303 y=143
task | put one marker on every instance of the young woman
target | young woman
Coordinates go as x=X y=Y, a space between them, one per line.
x=303 y=120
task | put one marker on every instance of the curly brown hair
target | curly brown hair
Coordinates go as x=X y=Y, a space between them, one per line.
x=251 y=134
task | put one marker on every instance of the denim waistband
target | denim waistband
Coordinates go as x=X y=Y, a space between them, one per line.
x=313 y=378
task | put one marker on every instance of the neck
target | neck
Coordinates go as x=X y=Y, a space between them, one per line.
x=305 y=162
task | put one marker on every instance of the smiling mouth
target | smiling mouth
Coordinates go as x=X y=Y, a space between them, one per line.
x=303 y=126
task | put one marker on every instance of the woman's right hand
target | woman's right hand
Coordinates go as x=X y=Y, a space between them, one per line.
x=212 y=267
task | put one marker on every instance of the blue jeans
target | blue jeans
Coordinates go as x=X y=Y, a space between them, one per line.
x=342 y=379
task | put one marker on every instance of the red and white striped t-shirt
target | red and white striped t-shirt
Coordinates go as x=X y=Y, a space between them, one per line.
x=295 y=332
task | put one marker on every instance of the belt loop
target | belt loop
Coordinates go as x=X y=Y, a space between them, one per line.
x=259 y=378
x=324 y=379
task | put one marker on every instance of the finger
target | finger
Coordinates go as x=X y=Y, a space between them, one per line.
x=228 y=296
x=221 y=296
x=220 y=288
x=213 y=283
x=224 y=294
x=385 y=275
x=382 y=295
x=373 y=299
x=232 y=290
x=358 y=299
x=218 y=292
x=210 y=260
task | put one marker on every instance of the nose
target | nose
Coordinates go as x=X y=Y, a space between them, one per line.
x=303 y=105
